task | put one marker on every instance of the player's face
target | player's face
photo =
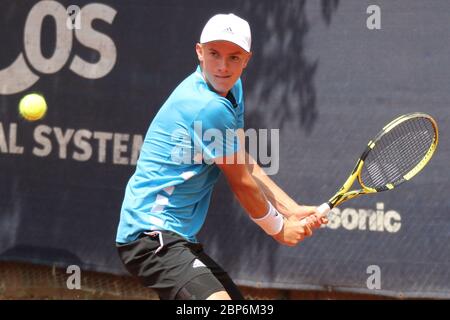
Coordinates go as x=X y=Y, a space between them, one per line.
x=222 y=64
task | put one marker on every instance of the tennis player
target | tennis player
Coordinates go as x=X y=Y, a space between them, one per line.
x=167 y=198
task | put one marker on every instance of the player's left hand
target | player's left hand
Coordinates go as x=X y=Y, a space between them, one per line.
x=312 y=217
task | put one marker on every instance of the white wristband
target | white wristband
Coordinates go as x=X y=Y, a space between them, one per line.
x=272 y=222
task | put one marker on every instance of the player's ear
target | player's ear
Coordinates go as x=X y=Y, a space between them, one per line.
x=199 y=50
x=247 y=59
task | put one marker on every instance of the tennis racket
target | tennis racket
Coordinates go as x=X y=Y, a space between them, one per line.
x=397 y=153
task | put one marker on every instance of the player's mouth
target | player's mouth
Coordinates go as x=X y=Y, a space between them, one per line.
x=222 y=77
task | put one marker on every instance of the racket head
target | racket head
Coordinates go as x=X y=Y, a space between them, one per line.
x=398 y=152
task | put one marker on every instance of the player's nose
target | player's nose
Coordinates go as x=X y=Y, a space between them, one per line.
x=222 y=65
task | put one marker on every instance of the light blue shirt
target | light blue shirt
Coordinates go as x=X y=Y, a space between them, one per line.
x=174 y=178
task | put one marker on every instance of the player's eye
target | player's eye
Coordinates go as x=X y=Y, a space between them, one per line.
x=235 y=58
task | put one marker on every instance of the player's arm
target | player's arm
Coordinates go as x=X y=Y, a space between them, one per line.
x=279 y=199
x=284 y=204
x=253 y=199
x=243 y=185
x=290 y=231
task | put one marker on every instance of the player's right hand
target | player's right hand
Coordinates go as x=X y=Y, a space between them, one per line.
x=309 y=215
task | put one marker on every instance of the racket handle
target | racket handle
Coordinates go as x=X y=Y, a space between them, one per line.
x=323 y=209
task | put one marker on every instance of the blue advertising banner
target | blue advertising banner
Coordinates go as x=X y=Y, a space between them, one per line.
x=324 y=78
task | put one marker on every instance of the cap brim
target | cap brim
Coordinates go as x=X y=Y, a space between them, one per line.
x=235 y=41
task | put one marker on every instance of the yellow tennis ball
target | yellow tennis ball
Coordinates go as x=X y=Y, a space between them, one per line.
x=32 y=107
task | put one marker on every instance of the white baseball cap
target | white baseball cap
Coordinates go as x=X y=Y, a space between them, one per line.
x=228 y=27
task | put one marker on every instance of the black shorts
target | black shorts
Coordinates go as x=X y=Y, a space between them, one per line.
x=178 y=270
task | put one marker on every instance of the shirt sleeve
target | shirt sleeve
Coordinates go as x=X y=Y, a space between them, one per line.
x=214 y=131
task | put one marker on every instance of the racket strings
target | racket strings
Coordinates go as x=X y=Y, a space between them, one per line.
x=397 y=152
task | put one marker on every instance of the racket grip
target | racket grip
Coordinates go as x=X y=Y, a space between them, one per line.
x=323 y=209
